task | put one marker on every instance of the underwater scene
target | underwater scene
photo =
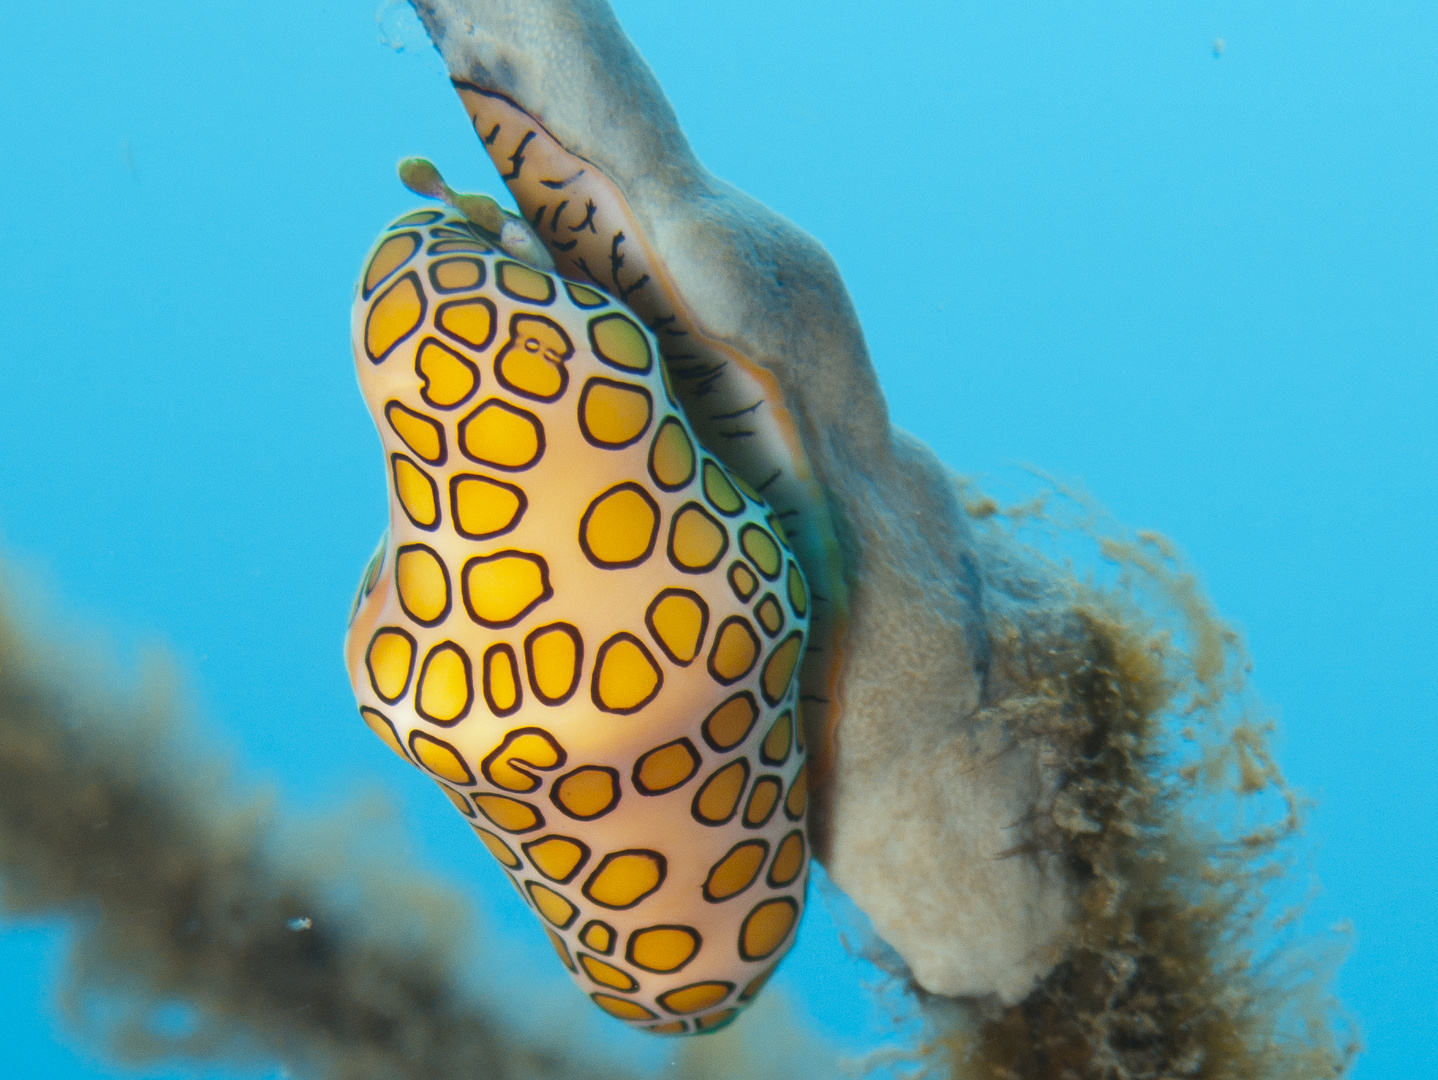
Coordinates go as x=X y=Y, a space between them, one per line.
x=719 y=542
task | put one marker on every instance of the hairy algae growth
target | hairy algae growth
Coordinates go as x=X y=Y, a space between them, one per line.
x=113 y=815
x=1174 y=968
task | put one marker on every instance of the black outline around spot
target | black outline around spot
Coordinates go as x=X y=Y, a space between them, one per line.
x=417 y=242
x=561 y=949
x=524 y=414
x=799 y=613
x=691 y=986
x=369 y=314
x=793 y=904
x=584 y=854
x=788 y=744
x=704 y=485
x=449 y=247
x=409 y=672
x=364 y=709
x=509 y=346
x=627 y=485
x=445 y=646
x=597 y=994
x=766 y=779
x=371 y=572
x=507 y=553
x=740 y=564
x=394 y=460
x=716 y=1021
x=475 y=230
x=692 y=931
x=518 y=862
x=694 y=758
x=468 y=301
x=690 y=594
x=714 y=823
x=457 y=799
x=504 y=264
x=613 y=937
x=417 y=217
x=613 y=775
x=668 y=381
x=600 y=982
x=719 y=636
x=447 y=230
x=497 y=754
x=769 y=598
x=760 y=843
x=603 y=651
x=538 y=814
x=392 y=406
x=486 y=666
x=754 y=985
x=416 y=735
x=684 y=568
x=595 y=441
x=801 y=775
x=574 y=635
x=399 y=553
x=747 y=490
x=643 y=336
x=530 y=886
x=433 y=280
x=803 y=858
x=513 y=489
x=693 y=458
x=663 y=876
x=777 y=528
x=749 y=527
x=704 y=728
x=798 y=659
x=424 y=380
x=569 y=287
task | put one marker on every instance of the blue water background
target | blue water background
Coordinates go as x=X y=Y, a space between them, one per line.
x=1196 y=277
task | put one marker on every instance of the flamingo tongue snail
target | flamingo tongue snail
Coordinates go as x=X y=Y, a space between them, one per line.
x=584 y=627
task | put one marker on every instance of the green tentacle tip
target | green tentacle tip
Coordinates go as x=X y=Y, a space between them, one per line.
x=421 y=177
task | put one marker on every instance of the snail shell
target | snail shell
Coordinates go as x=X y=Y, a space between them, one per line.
x=581 y=625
